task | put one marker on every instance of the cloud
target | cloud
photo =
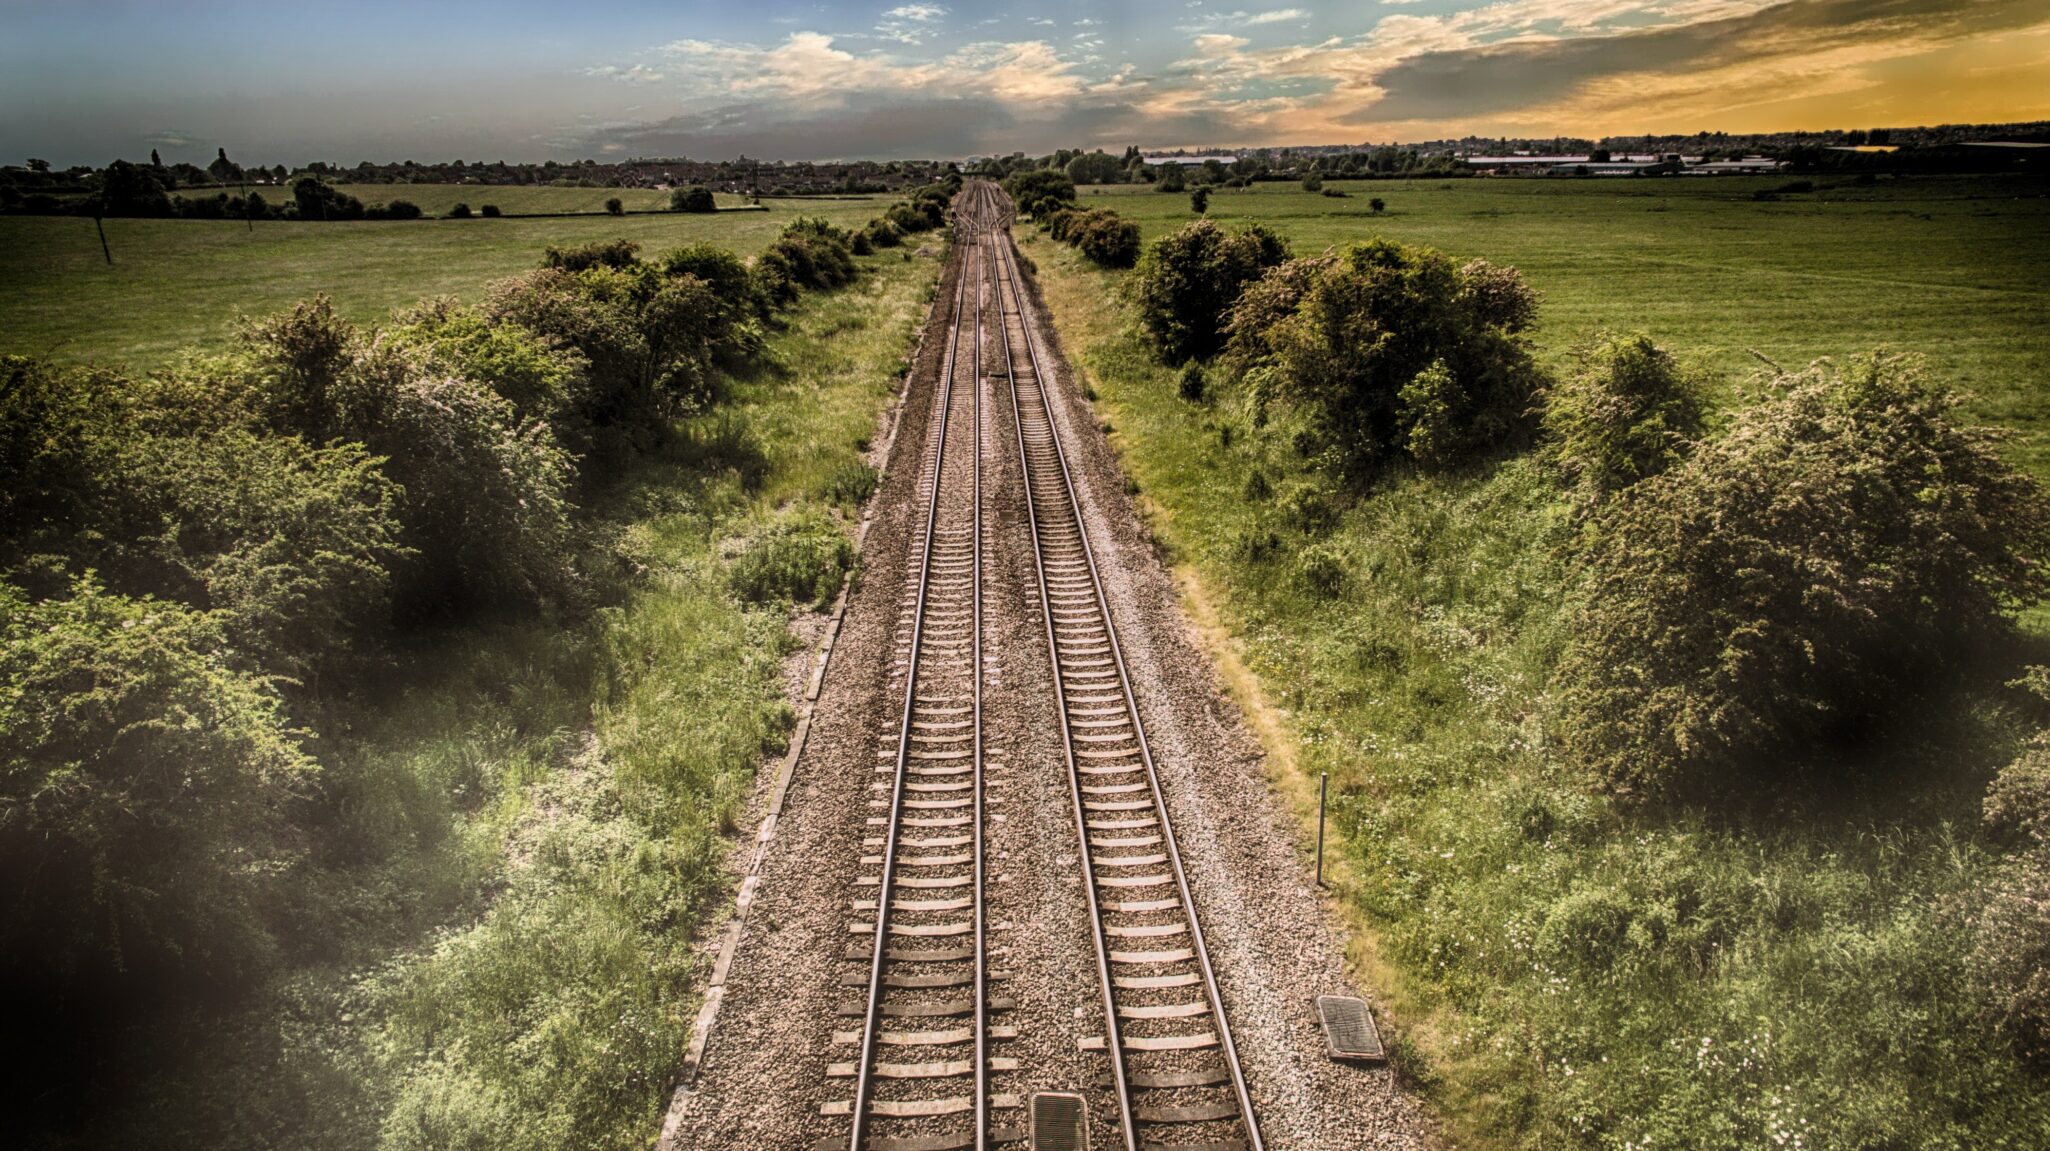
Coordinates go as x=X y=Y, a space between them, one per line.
x=924 y=13
x=635 y=74
x=1543 y=66
x=1800 y=46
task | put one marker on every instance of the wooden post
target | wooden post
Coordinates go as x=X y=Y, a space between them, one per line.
x=104 y=250
x=1323 y=788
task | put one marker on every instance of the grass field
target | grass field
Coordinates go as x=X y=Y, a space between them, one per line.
x=1560 y=971
x=517 y=199
x=185 y=283
x=1955 y=268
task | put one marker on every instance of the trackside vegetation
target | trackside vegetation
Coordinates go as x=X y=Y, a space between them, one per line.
x=1688 y=784
x=376 y=701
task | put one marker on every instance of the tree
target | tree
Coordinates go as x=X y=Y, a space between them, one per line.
x=615 y=207
x=1389 y=352
x=459 y=212
x=1189 y=279
x=224 y=170
x=693 y=199
x=1313 y=183
x=1040 y=191
x=133 y=190
x=1377 y=205
x=1199 y=201
x=1094 y=168
x=1813 y=567
x=1625 y=413
x=489 y=211
x=1171 y=179
x=155 y=161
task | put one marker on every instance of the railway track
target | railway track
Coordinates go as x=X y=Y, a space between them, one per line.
x=926 y=1072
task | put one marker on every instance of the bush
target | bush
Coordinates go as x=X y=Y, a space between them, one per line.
x=1626 y=412
x=1171 y=180
x=649 y=339
x=1190 y=384
x=542 y=381
x=1811 y=568
x=883 y=233
x=695 y=198
x=483 y=506
x=1387 y=351
x=737 y=337
x=490 y=211
x=2010 y=960
x=1040 y=191
x=402 y=210
x=1110 y=241
x=801 y=556
x=615 y=207
x=291 y=544
x=620 y=253
x=143 y=781
x=1313 y=183
x=1187 y=281
x=1199 y=201
x=1377 y=205
x=459 y=212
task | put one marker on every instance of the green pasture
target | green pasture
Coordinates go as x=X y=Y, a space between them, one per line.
x=1957 y=268
x=516 y=199
x=176 y=284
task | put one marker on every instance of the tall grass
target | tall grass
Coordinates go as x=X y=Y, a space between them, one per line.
x=1565 y=973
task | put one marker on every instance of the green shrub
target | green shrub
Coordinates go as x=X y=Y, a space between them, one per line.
x=542 y=381
x=695 y=198
x=1040 y=191
x=1320 y=569
x=801 y=556
x=649 y=339
x=1191 y=383
x=1388 y=351
x=294 y=546
x=1626 y=412
x=1110 y=241
x=1189 y=280
x=596 y=254
x=1812 y=567
x=143 y=781
x=484 y=508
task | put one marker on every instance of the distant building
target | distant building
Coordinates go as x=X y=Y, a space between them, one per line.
x=1187 y=161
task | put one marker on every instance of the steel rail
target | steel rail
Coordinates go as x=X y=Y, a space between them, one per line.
x=864 y=1069
x=1004 y=256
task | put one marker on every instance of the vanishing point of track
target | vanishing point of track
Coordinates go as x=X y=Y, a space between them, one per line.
x=1174 y=1079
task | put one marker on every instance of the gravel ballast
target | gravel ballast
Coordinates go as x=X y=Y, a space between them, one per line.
x=764 y=1077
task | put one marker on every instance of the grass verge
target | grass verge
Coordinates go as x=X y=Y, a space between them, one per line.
x=1564 y=973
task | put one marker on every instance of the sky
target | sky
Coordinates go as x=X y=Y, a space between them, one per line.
x=87 y=81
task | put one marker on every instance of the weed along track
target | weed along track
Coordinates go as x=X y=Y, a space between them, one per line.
x=975 y=921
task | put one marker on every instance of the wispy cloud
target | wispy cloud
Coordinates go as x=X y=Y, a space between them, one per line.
x=632 y=74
